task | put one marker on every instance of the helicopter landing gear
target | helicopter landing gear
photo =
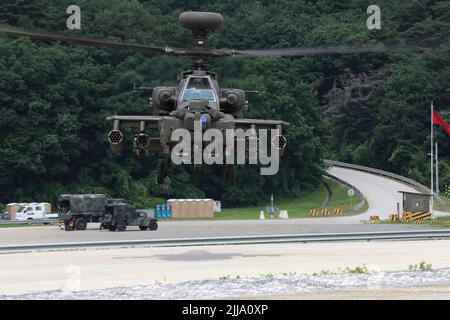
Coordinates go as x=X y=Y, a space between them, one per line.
x=230 y=174
x=195 y=173
x=162 y=170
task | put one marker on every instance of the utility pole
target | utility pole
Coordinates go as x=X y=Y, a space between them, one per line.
x=272 y=210
x=437 y=170
x=432 y=162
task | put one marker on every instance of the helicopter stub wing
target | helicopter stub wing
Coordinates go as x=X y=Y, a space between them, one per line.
x=140 y=122
x=256 y=124
x=152 y=122
x=142 y=141
x=259 y=124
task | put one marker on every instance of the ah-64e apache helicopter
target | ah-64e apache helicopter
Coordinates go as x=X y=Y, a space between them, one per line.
x=198 y=96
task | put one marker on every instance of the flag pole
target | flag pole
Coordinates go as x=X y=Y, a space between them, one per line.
x=432 y=158
x=437 y=168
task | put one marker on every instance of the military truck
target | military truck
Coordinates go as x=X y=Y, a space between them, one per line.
x=76 y=210
x=120 y=215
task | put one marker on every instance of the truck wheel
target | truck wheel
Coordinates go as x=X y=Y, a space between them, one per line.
x=143 y=228
x=121 y=226
x=153 y=225
x=67 y=227
x=80 y=224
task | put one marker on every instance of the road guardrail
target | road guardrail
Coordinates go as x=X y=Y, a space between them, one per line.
x=394 y=176
x=362 y=199
x=310 y=237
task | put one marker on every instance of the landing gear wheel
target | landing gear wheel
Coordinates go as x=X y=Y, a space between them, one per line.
x=195 y=173
x=121 y=226
x=153 y=225
x=162 y=169
x=230 y=174
x=80 y=224
x=143 y=228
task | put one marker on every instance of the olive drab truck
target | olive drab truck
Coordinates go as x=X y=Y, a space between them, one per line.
x=120 y=215
x=76 y=210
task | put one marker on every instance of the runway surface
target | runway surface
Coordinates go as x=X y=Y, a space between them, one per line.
x=189 y=229
x=128 y=267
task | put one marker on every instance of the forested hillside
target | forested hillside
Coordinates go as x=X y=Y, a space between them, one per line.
x=370 y=109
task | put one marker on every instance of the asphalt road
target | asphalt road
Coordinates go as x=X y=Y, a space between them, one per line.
x=189 y=229
x=382 y=194
x=52 y=270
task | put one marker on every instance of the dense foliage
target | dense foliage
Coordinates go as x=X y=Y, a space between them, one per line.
x=54 y=98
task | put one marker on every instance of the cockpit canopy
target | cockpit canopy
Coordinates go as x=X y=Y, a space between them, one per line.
x=198 y=88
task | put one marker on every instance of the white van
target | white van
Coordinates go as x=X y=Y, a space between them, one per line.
x=32 y=211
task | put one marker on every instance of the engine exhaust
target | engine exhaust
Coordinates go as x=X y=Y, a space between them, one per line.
x=115 y=138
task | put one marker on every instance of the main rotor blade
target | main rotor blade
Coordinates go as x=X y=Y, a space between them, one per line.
x=87 y=42
x=392 y=46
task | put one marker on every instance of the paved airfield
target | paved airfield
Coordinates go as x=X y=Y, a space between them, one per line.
x=193 y=229
x=155 y=267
